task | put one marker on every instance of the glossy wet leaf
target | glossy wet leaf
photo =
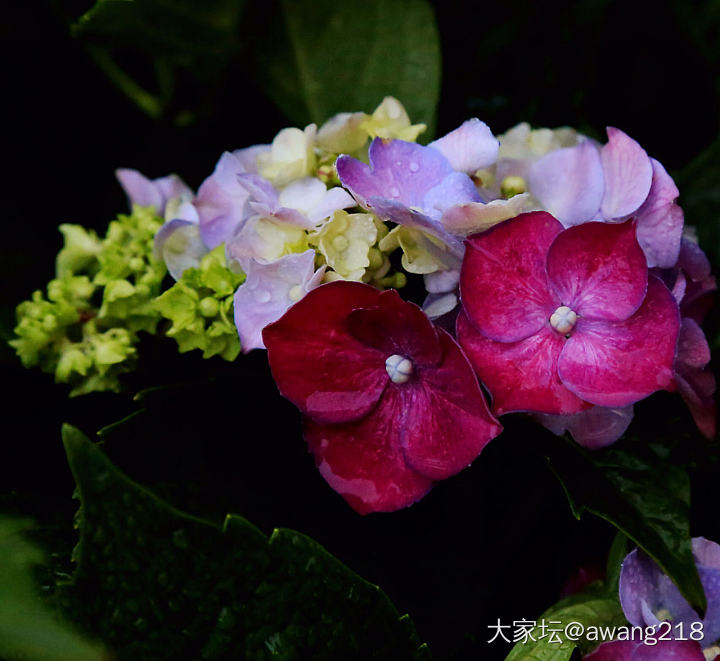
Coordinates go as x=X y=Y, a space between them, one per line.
x=645 y=498
x=154 y=582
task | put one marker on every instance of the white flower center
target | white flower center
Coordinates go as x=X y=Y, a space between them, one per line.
x=563 y=319
x=399 y=368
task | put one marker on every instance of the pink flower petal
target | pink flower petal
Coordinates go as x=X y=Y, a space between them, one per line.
x=395 y=326
x=617 y=650
x=503 y=280
x=364 y=462
x=660 y=220
x=139 y=189
x=569 y=183
x=670 y=650
x=521 y=376
x=318 y=364
x=618 y=363
x=696 y=383
x=598 y=270
x=594 y=428
x=628 y=175
x=447 y=422
x=469 y=147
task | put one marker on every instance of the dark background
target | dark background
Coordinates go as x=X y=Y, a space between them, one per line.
x=497 y=541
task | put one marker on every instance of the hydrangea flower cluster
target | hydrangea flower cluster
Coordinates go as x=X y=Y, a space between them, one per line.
x=557 y=271
x=84 y=330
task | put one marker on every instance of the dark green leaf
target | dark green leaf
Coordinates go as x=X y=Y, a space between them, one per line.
x=29 y=630
x=156 y=583
x=647 y=500
x=699 y=185
x=618 y=551
x=328 y=57
x=182 y=30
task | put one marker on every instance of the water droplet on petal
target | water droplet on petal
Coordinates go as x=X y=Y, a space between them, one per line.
x=414 y=167
x=262 y=295
x=394 y=192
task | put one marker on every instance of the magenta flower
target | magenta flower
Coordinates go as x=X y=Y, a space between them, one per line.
x=662 y=650
x=391 y=403
x=611 y=183
x=556 y=320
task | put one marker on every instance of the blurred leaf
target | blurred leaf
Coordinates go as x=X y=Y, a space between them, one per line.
x=644 y=498
x=699 y=185
x=159 y=584
x=328 y=57
x=182 y=30
x=586 y=609
x=29 y=631
x=177 y=35
x=618 y=551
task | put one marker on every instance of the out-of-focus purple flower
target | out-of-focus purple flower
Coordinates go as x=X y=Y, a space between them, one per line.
x=269 y=290
x=661 y=650
x=151 y=192
x=221 y=198
x=586 y=182
x=649 y=597
x=593 y=428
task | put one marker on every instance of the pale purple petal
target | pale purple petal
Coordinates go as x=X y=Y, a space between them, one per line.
x=172 y=186
x=594 y=428
x=221 y=201
x=311 y=197
x=248 y=156
x=442 y=282
x=660 y=220
x=139 y=189
x=469 y=147
x=262 y=195
x=179 y=244
x=270 y=289
x=628 y=175
x=334 y=199
x=569 y=183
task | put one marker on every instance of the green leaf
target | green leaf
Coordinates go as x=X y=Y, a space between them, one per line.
x=329 y=57
x=649 y=501
x=183 y=30
x=30 y=631
x=552 y=643
x=154 y=582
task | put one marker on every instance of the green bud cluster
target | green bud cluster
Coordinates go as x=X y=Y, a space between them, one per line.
x=84 y=328
x=200 y=307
